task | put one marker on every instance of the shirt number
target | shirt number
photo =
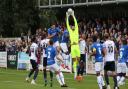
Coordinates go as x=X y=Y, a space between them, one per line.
x=49 y=54
x=110 y=49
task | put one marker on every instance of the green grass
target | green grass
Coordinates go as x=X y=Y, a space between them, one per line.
x=15 y=79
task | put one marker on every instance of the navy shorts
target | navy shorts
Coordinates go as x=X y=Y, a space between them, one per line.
x=34 y=64
x=45 y=62
x=110 y=66
x=82 y=58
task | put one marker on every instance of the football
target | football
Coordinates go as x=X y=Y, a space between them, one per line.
x=70 y=11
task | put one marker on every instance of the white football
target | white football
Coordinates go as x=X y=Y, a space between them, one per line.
x=70 y=11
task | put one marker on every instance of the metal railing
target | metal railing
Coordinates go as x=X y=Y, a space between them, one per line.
x=70 y=3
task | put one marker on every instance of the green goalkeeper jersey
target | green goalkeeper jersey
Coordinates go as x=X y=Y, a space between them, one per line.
x=74 y=34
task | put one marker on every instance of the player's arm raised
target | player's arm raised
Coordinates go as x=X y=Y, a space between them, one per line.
x=75 y=21
x=67 y=22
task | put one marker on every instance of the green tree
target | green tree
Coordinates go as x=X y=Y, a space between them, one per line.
x=18 y=16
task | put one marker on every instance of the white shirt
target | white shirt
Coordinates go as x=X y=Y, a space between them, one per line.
x=33 y=49
x=44 y=44
x=82 y=45
x=110 y=49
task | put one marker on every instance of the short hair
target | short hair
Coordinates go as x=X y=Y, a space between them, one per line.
x=43 y=36
x=124 y=41
x=33 y=39
x=106 y=35
x=94 y=38
x=51 y=42
x=53 y=23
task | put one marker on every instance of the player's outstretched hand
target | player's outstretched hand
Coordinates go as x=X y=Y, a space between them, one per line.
x=73 y=13
x=67 y=15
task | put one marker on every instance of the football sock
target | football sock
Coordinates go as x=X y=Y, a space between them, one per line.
x=122 y=79
x=51 y=75
x=107 y=79
x=99 y=82
x=115 y=81
x=35 y=74
x=82 y=70
x=78 y=71
x=75 y=69
x=118 y=78
x=102 y=81
x=62 y=77
x=58 y=79
x=31 y=72
x=45 y=74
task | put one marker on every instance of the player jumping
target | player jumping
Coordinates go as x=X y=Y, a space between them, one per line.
x=74 y=41
x=64 y=47
x=53 y=33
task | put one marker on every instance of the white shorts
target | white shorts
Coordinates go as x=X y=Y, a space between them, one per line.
x=98 y=66
x=56 y=44
x=54 y=67
x=64 y=47
x=121 y=68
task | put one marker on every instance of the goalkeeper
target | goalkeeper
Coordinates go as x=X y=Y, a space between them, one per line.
x=74 y=41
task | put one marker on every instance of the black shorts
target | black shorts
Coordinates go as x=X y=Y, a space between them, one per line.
x=34 y=64
x=82 y=58
x=110 y=66
x=44 y=61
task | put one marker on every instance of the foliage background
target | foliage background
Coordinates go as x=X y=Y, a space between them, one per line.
x=21 y=16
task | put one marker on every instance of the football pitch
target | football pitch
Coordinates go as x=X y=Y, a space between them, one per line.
x=15 y=79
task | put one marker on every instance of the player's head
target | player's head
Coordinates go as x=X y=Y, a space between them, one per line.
x=62 y=29
x=83 y=36
x=33 y=39
x=44 y=35
x=73 y=27
x=106 y=36
x=53 y=25
x=71 y=23
x=124 y=41
x=50 y=42
x=94 y=38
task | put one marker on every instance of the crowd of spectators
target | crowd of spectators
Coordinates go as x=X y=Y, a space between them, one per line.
x=117 y=28
x=12 y=45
